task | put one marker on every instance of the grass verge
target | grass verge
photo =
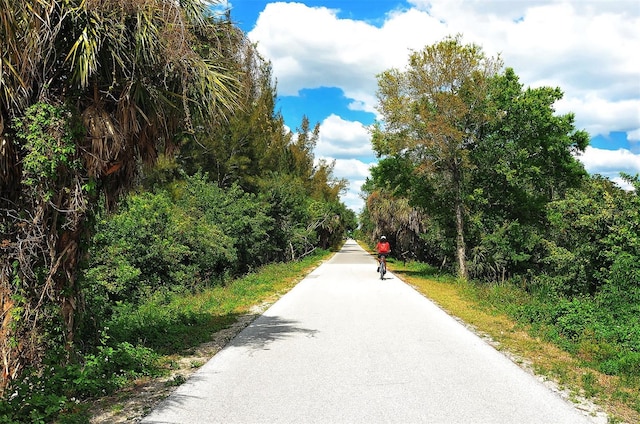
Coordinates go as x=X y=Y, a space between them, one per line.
x=478 y=307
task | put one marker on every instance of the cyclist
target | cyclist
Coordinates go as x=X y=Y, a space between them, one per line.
x=383 y=248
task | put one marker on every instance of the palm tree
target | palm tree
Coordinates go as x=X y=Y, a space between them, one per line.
x=133 y=75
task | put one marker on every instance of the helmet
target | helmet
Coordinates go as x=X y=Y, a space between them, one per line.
x=383 y=238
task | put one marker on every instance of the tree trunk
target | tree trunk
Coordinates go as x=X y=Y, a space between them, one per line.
x=28 y=297
x=65 y=281
x=459 y=211
x=460 y=245
x=10 y=355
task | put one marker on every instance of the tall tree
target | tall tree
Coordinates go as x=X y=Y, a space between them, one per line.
x=252 y=140
x=301 y=150
x=527 y=158
x=88 y=90
x=434 y=113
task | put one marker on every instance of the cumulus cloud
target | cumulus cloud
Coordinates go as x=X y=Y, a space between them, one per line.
x=585 y=47
x=353 y=201
x=356 y=172
x=610 y=162
x=343 y=139
x=352 y=169
x=599 y=116
x=312 y=47
x=634 y=135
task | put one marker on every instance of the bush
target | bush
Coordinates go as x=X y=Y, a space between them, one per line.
x=43 y=397
x=110 y=368
x=161 y=324
x=238 y=215
x=152 y=246
x=627 y=363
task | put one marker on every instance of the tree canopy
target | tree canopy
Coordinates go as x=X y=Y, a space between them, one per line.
x=478 y=156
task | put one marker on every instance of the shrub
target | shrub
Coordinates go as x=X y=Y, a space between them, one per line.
x=55 y=391
x=110 y=368
x=240 y=216
x=152 y=245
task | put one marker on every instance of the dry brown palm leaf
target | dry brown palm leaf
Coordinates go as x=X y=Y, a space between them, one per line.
x=147 y=143
x=106 y=140
x=129 y=114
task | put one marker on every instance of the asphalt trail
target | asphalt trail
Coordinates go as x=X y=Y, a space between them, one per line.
x=345 y=347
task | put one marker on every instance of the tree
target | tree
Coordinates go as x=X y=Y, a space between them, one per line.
x=589 y=229
x=434 y=113
x=251 y=141
x=526 y=159
x=88 y=90
x=300 y=152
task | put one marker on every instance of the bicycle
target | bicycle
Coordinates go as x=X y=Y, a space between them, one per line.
x=383 y=266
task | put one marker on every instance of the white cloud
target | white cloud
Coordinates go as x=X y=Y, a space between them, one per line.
x=634 y=135
x=312 y=47
x=600 y=116
x=353 y=201
x=587 y=48
x=340 y=139
x=352 y=169
x=610 y=162
x=625 y=185
x=355 y=172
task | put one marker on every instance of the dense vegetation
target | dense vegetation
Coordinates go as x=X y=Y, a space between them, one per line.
x=478 y=176
x=99 y=98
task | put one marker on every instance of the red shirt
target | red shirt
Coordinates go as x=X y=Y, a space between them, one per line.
x=383 y=247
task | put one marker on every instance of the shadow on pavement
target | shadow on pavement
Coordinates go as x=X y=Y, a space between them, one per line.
x=267 y=329
x=257 y=336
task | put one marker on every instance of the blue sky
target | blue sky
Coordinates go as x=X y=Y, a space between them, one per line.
x=326 y=54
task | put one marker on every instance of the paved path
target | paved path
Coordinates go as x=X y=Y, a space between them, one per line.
x=345 y=347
